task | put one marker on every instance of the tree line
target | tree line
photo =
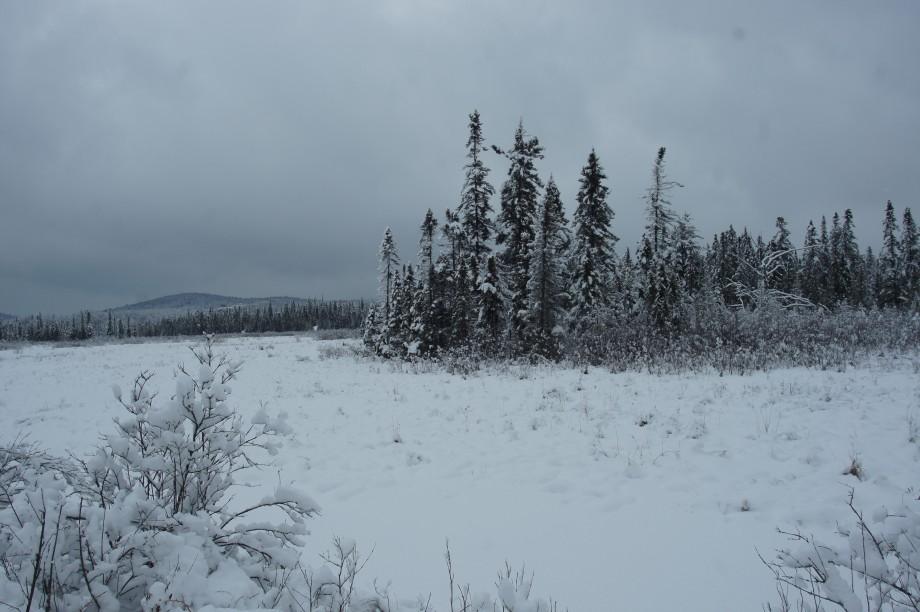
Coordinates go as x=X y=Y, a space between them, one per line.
x=528 y=281
x=289 y=317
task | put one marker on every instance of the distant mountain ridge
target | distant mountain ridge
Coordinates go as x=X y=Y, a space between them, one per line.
x=203 y=301
x=6 y=317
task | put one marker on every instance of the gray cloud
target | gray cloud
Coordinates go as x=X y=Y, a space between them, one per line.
x=150 y=148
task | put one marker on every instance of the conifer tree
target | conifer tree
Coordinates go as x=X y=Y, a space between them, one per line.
x=388 y=268
x=870 y=295
x=427 y=291
x=746 y=273
x=688 y=259
x=825 y=268
x=593 y=241
x=545 y=286
x=461 y=305
x=839 y=273
x=519 y=197
x=490 y=307
x=392 y=343
x=890 y=294
x=452 y=232
x=910 y=252
x=475 y=209
x=809 y=273
x=852 y=274
x=661 y=289
x=783 y=277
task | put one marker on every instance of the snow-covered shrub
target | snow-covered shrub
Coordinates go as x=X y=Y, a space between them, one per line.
x=146 y=522
x=874 y=566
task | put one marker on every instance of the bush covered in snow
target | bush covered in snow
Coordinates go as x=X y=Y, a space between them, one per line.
x=874 y=566
x=146 y=521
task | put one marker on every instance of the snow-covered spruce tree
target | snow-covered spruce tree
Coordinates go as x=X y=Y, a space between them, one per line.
x=546 y=288
x=809 y=267
x=825 y=266
x=748 y=266
x=148 y=521
x=889 y=262
x=428 y=290
x=396 y=323
x=910 y=265
x=453 y=245
x=517 y=218
x=840 y=272
x=661 y=287
x=388 y=269
x=490 y=311
x=870 y=296
x=409 y=323
x=627 y=286
x=688 y=259
x=461 y=305
x=372 y=328
x=852 y=260
x=475 y=209
x=783 y=276
x=593 y=244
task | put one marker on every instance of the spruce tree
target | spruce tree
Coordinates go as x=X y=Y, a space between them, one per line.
x=388 y=269
x=890 y=293
x=490 y=321
x=825 y=267
x=461 y=305
x=840 y=273
x=688 y=260
x=661 y=290
x=853 y=273
x=545 y=287
x=475 y=209
x=809 y=271
x=519 y=197
x=428 y=291
x=783 y=277
x=593 y=241
x=870 y=295
x=910 y=264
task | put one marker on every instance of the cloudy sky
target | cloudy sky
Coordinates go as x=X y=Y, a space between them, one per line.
x=250 y=148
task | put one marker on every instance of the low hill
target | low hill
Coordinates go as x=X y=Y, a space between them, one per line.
x=201 y=301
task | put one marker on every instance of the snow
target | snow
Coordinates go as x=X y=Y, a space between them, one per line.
x=608 y=486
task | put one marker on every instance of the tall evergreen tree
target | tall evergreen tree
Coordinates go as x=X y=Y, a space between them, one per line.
x=545 y=286
x=688 y=259
x=593 y=242
x=809 y=271
x=910 y=254
x=490 y=320
x=870 y=295
x=784 y=277
x=388 y=269
x=519 y=197
x=838 y=273
x=853 y=272
x=661 y=287
x=890 y=291
x=475 y=209
x=825 y=267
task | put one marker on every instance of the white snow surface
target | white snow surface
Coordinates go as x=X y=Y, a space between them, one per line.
x=619 y=491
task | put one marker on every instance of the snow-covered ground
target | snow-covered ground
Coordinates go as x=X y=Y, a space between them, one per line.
x=619 y=491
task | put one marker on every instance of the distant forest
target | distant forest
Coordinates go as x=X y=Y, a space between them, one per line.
x=527 y=281
x=333 y=314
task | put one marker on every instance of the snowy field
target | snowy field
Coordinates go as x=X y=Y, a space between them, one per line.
x=619 y=491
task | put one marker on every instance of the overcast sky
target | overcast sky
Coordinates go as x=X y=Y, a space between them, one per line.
x=258 y=148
